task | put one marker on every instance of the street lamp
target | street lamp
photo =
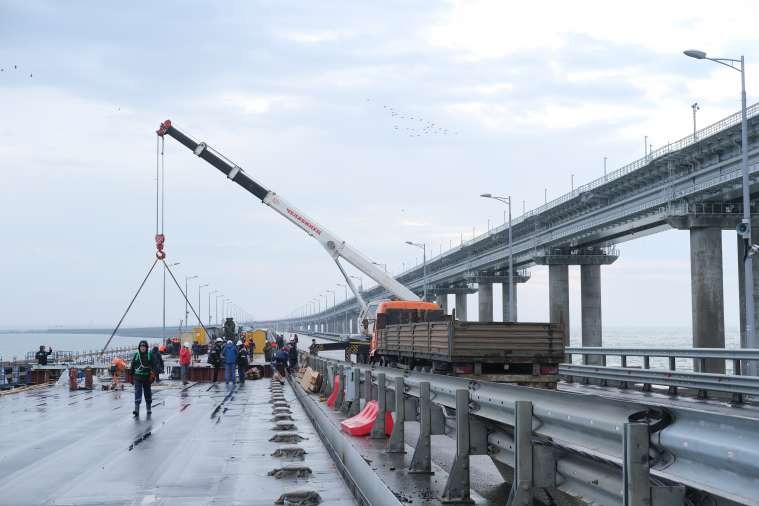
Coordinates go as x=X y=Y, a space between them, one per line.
x=360 y=282
x=424 y=267
x=209 y=298
x=739 y=65
x=209 y=305
x=216 y=311
x=507 y=201
x=345 y=286
x=384 y=266
x=186 y=298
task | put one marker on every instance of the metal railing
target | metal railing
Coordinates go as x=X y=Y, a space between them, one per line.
x=582 y=439
x=88 y=357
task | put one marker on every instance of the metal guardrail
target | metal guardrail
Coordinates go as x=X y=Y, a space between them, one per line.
x=702 y=382
x=80 y=357
x=581 y=442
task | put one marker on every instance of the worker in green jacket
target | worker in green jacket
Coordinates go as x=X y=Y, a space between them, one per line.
x=142 y=375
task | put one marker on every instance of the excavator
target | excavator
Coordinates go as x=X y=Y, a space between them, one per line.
x=407 y=306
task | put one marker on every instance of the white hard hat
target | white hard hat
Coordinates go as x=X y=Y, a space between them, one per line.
x=229 y=341
x=239 y=343
x=219 y=340
x=186 y=344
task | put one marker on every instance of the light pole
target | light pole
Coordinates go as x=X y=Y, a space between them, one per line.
x=345 y=286
x=209 y=305
x=572 y=184
x=360 y=282
x=604 y=166
x=384 y=266
x=507 y=201
x=745 y=232
x=220 y=296
x=695 y=108
x=424 y=265
x=333 y=303
x=186 y=298
x=200 y=288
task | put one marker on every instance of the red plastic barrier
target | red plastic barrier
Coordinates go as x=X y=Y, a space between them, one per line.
x=361 y=424
x=333 y=395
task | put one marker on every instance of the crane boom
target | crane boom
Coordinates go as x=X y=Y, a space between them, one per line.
x=336 y=247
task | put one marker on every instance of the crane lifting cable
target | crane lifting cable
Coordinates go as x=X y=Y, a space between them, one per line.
x=160 y=254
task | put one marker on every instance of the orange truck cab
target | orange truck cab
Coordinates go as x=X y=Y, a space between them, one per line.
x=394 y=312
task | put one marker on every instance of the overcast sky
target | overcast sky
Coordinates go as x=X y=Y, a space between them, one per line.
x=523 y=94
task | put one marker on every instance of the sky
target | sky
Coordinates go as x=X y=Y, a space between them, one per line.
x=525 y=99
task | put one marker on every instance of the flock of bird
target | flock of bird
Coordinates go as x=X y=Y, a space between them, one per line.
x=15 y=68
x=414 y=126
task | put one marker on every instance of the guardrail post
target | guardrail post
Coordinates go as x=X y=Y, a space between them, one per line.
x=421 y=462
x=348 y=390
x=637 y=489
x=378 y=429
x=356 y=403
x=368 y=386
x=672 y=367
x=457 y=487
x=397 y=438
x=521 y=488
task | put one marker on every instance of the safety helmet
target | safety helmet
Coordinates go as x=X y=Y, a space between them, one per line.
x=186 y=344
x=239 y=343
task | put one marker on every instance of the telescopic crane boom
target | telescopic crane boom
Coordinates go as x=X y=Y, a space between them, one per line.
x=336 y=247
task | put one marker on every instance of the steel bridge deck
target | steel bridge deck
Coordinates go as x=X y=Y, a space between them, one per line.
x=84 y=447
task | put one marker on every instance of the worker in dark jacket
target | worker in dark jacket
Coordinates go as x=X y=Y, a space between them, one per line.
x=157 y=363
x=42 y=355
x=293 y=355
x=141 y=370
x=243 y=361
x=280 y=361
x=214 y=358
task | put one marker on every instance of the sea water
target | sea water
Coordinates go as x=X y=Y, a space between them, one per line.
x=19 y=344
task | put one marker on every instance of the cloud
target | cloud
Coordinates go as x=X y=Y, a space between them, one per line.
x=248 y=103
x=317 y=37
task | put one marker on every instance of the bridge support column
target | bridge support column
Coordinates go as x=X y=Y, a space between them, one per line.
x=558 y=296
x=506 y=307
x=461 y=306
x=708 y=312
x=742 y=283
x=485 y=296
x=442 y=300
x=590 y=295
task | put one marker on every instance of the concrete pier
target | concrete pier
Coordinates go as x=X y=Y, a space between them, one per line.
x=461 y=306
x=742 y=283
x=558 y=296
x=442 y=300
x=590 y=295
x=506 y=307
x=708 y=312
x=485 y=304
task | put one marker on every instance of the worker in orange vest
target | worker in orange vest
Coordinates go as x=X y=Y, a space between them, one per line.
x=185 y=356
x=117 y=369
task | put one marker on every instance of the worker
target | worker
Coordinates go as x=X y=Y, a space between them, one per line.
x=267 y=351
x=42 y=355
x=142 y=373
x=243 y=361
x=214 y=358
x=280 y=361
x=117 y=369
x=295 y=339
x=195 y=351
x=157 y=363
x=312 y=349
x=184 y=362
x=293 y=356
x=229 y=353
x=280 y=341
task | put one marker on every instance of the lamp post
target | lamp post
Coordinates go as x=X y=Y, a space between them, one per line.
x=220 y=296
x=695 y=108
x=360 y=282
x=345 y=286
x=209 y=305
x=384 y=266
x=507 y=201
x=745 y=233
x=186 y=298
x=424 y=265
x=200 y=288
x=333 y=302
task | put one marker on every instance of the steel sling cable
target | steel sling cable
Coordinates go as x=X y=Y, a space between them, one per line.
x=129 y=307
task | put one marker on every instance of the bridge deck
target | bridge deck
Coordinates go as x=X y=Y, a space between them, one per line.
x=84 y=447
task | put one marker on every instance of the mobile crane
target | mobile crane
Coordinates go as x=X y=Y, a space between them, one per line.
x=334 y=246
x=409 y=332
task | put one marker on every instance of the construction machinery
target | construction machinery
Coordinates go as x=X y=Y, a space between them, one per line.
x=376 y=318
